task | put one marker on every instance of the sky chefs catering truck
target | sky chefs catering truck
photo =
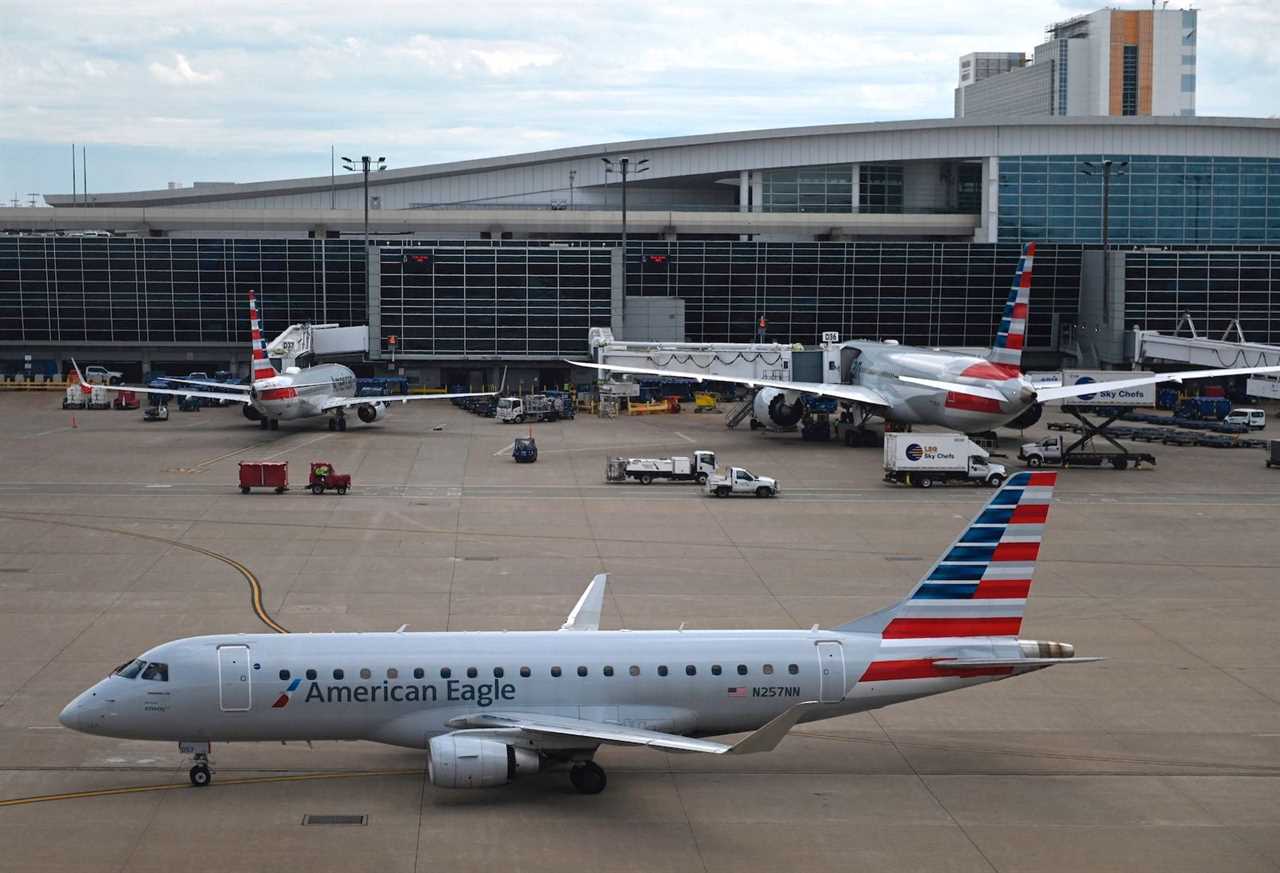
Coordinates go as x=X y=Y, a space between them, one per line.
x=927 y=459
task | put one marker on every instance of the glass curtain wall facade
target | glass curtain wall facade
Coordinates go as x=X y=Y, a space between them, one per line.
x=809 y=189
x=1169 y=200
x=158 y=291
x=932 y=294
x=511 y=300
x=1213 y=287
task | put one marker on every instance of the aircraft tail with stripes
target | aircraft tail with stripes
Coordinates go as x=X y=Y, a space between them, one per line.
x=262 y=367
x=1012 y=333
x=961 y=621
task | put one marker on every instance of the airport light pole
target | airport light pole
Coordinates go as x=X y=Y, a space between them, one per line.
x=624 y=167
x=1106 y=169
x=366 y=163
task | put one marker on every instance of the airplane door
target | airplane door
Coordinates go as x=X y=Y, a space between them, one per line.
x=830 y=672
x=236 y=688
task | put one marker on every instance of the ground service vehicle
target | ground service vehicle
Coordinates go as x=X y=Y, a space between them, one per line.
x=492 y=707
x=524 y=450
x=76 y=398
x=645 y=470
x=1256 y=419
x=264 y=474
x=531 y=407
x=927 y=459
x=96 y=374
x=323 y=477
x=740 y=480
x=1054 y=452
x=126 y=400
x=159 y=412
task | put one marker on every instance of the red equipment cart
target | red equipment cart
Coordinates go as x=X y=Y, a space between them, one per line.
x=264 y=474
x=126 y=400
x=322 y=477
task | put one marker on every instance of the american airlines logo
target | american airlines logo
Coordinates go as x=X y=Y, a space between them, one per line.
x=454 y=690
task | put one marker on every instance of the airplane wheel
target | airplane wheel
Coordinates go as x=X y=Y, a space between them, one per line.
x=342 y=424
x=588 y=778
x=263 y=424
x=200 y=775
x=333 y=424
x=275 y=424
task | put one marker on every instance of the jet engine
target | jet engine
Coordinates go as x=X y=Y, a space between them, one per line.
x=251 y=413
x=371 y=412
x=470 y=762
x=776 y=409
x=1029 y=417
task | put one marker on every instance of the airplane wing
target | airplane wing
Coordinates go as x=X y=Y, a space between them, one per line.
x=227 y=386
x=765 y=739
x=345 y=402
x=585 y=616
x=1048 y=395
x=181 y=392
x=855 y=393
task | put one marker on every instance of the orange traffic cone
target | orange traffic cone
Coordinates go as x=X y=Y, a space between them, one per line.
x=73 y=422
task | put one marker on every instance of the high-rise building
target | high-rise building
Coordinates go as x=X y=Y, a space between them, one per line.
x=1110 y=62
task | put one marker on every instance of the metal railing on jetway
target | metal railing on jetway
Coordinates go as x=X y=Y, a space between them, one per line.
x=1231 y=350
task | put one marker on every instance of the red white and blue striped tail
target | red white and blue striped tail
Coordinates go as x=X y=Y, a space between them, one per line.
x=262 y=368
x=979 y=587
x=1012 y=333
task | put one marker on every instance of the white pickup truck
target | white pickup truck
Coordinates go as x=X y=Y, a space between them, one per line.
x=96 y=374
x=740 y=480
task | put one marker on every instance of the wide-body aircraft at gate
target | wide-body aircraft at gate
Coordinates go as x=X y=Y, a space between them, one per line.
x=490 y=707
x=298 y=392
x=910 y=385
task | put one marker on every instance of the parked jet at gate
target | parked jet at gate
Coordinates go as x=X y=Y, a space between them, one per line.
x=325 y=389
x=908 y=385
x=490 y=707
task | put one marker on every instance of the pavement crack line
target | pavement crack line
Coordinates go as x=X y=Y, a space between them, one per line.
x=255 y=587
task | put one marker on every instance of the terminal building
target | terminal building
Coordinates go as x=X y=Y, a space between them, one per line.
x=897 y=230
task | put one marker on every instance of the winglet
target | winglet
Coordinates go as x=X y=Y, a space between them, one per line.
x=585 y=616
x=766 y=739
x=85 y=387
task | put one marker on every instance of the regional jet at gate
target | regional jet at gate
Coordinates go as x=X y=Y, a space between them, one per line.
x=491 y=707
x=908 y=385
x=325 y=389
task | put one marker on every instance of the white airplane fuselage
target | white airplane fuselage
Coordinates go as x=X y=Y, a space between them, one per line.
x=231 y=687
x=302 y=393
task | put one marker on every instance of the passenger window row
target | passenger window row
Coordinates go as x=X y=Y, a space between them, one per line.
x=525 y=672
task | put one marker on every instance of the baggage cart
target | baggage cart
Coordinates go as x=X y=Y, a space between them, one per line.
x=264 y=474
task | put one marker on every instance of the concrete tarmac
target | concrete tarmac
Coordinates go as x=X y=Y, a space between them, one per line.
x=1164 y=757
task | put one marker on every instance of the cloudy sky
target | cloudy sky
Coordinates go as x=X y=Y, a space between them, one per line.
x=223 y=90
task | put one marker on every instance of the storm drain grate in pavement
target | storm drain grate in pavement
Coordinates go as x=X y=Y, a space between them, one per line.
x=335 y=819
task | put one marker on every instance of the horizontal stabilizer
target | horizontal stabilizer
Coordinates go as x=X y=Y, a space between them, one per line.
x=969 y=663
x=959 y=388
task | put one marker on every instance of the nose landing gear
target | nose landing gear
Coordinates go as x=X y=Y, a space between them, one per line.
x=201 y=774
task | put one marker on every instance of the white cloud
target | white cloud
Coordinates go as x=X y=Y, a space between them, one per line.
x=181 y=72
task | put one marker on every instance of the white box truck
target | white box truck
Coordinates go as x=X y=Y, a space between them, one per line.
x=533 y=407
x=645 y=470
x=923 y=460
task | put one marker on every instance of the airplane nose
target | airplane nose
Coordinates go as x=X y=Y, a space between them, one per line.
x=72 y=715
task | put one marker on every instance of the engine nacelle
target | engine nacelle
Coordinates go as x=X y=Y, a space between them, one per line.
x=250 y=412
x=774 y=408
x=371 y=412
x=1028 y=418
x=471 y=762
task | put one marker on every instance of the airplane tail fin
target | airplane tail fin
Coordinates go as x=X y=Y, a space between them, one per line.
x=262 y=368
x=85 y=387
x=979 y=587
x=1012 y=333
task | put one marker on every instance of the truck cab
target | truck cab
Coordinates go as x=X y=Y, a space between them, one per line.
x=96 y=374
x=740 y=480
x=1048 y=450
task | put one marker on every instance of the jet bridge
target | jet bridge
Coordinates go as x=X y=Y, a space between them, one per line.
x=1202 y=352
x=322 y=340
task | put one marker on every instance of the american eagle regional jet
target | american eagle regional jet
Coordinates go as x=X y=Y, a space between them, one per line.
x=491 y=707
x=325 y=389
x=908 y=385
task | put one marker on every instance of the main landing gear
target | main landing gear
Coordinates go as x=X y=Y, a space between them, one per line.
x=200 y=774
x=269 y=423
x=588 y=777
x=338 y=422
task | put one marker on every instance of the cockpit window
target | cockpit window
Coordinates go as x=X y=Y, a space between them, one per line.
x=131 y=669
x=157 y=672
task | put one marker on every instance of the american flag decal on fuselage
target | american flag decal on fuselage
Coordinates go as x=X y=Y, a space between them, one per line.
x=979 y=587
